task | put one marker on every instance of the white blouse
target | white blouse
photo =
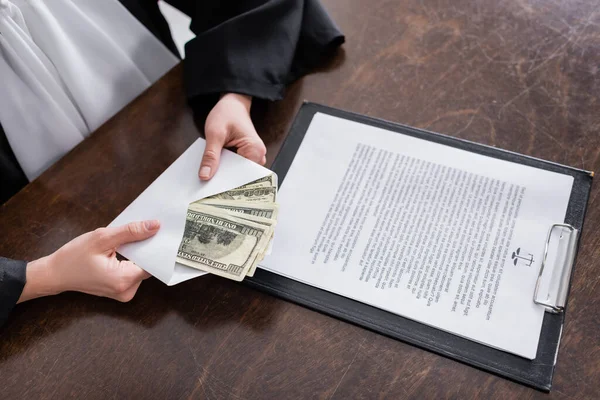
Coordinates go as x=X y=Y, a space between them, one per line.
x=67 y=66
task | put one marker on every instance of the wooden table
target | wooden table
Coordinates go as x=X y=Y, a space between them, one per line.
x=517 y=74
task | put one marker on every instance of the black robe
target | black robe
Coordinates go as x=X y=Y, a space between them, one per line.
x=253 y=47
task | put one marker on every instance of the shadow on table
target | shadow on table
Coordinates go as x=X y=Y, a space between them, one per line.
x=204 y=303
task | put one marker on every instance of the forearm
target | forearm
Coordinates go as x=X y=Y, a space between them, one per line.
x=242 y=98
x=39 y=280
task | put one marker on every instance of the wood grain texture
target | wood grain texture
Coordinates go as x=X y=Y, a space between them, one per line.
x=518 y=74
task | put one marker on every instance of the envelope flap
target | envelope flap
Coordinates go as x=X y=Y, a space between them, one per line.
x=167 y=199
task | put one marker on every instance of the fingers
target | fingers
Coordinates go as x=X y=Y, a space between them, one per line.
x=110 y=238
x=131 y=278
x=128 y=295
x=145 y=275
x=212 y=154
x=132 y=272
x=253 y=147
x=255 y=151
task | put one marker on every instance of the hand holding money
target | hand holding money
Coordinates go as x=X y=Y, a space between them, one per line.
x=229 y=233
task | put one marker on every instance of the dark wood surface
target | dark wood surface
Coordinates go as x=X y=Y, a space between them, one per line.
x=518 y=74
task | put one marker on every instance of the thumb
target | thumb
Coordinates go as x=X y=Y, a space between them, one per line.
x=133 y=272
x=211 y=157
x=254 y=150
x=132 y=232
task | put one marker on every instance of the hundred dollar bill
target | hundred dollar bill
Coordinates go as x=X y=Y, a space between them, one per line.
x=271 y=180
x=259 y=258
x=261 y=220
x=265 y=210
x=252 y=269
x=261 y=255
x=217 y=242
x=267 y=181
x=255 y=185
x=256 y=195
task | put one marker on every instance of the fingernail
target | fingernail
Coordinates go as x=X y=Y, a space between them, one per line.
x=205 y=172
x=152 y=225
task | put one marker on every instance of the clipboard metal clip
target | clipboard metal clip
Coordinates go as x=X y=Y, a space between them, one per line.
x=557 y=277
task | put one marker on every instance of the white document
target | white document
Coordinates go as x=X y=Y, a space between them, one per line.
x=443 y=236
x=167 y=200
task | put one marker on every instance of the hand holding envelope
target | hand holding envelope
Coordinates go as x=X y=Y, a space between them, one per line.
x=170 y=196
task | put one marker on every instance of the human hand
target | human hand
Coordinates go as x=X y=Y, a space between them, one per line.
x=89 y=264
x=229 y=125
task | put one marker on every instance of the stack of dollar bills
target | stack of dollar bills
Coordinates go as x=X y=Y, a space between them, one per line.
x=229 y=233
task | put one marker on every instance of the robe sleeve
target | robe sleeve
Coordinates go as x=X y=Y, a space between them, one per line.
x=12 y=282
x=12 y=177
x=254 y=47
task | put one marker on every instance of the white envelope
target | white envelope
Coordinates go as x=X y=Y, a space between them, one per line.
x=167 y=200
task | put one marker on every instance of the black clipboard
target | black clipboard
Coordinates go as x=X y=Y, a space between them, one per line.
x=536 y=373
